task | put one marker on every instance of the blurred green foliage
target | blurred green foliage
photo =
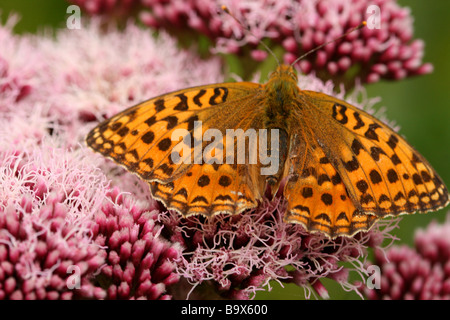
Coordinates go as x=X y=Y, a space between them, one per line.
x=419 y=105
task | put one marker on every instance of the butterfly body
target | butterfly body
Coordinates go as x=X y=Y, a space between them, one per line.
x=343 y=169
x=281 y=93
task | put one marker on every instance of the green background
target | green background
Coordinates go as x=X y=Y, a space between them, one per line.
x=419 y=105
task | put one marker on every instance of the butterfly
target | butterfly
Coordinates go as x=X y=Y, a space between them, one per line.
x=341 y=169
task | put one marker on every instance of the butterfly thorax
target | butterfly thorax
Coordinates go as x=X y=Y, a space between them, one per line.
x=281 y=90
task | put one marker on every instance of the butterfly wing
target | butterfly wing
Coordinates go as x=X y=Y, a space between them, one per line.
x=143 y=139
x=353 y=169
x=317 y=196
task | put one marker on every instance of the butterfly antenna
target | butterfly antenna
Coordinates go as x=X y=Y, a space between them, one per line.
x=247 y=28
x=331 y=41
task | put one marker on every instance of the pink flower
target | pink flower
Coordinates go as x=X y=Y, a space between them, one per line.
x=70 y=87
x=419 y=273
x=239 y=255
x=65 y=235
x=46 y=250
x=139 y=262
x=63 y=230
x=17 y=71
x=387 y=52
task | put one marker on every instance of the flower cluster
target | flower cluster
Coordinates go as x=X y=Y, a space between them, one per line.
x=420 y=273
x=239 y=255
x=65 y=235
x=70 y=86
x=383 y=50
x=139 y=263
x=58 y=212
x=64 y=232
x=46 y=250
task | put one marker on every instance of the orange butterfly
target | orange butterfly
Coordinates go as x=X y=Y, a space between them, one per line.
x=343 y=169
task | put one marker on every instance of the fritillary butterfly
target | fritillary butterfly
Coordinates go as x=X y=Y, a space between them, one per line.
x=342 y=169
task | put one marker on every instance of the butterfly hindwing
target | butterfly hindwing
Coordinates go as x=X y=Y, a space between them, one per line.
x=207 y=190
x=317 y=195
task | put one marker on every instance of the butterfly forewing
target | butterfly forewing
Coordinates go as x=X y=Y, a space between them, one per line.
x=143 y=139
x=398 y=178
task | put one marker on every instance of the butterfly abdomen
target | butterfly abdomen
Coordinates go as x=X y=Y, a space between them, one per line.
x=277 y=149
x=281 y=92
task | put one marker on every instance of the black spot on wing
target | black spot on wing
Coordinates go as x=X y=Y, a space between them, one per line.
x=356 y=146
x=370 y=133
x=203 y=181
x=359 y=122
x=197 y=97
x=159 y=105
x=182 y=105
x=339 y=113
x=220 y=95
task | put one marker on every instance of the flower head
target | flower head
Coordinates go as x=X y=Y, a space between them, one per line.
x=46 y=250
x=383 y=50
x=240 y=255
x=419 y=273
x=17 y=70
x=64 y=233
x=139 y=263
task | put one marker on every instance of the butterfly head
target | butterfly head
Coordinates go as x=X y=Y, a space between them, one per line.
x=286 y=72
x=283 y=78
